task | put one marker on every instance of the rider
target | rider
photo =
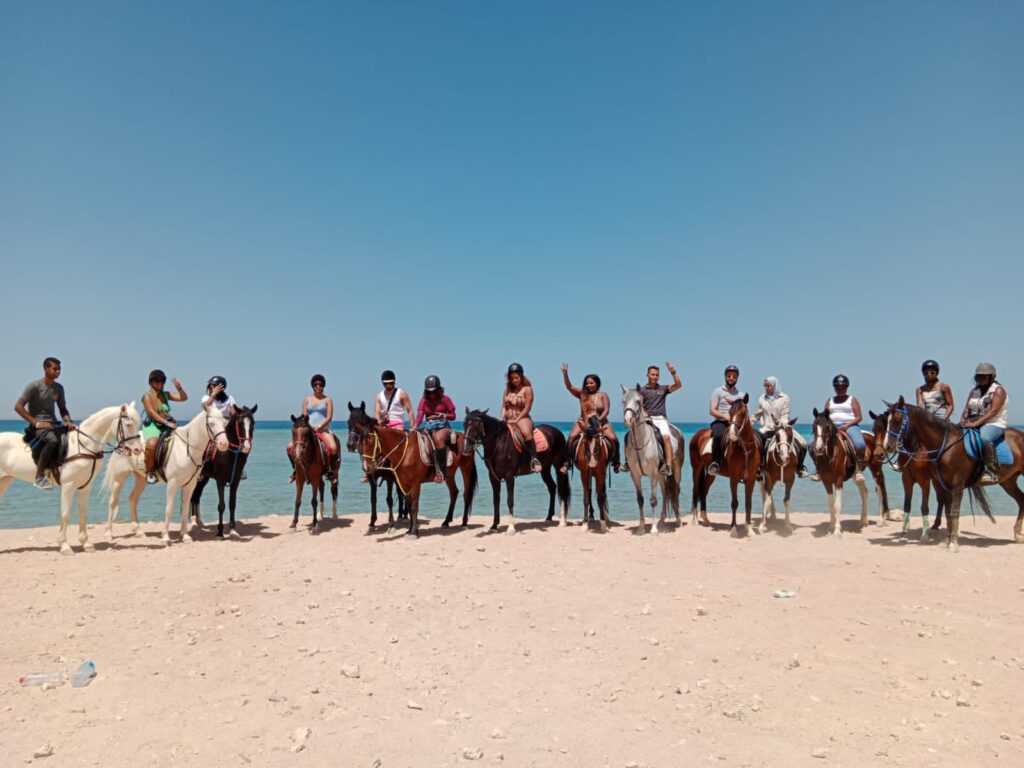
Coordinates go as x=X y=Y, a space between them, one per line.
x=515 y=409
x=934 y=396
x=434 y=415
x=721 y=400
x=392 y=406
x=844 y=411
x=158 y=422
x=593 y=403
x=987 y=409
x=318 y=409
x=653 y=395
x=36 y=407
x=773 y=411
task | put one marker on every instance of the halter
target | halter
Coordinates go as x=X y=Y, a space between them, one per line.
x=374 y=463
x=746 y=446
x=477 y=446
x=776 y=446
x=931 y=456
x=105 y=449
x=637 y=420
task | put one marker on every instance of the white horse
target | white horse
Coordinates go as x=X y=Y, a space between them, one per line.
x=85 y=450
x=643 y=458
x=185 y=461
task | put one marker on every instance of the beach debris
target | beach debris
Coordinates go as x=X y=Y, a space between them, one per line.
x=682 y=688
x=632 y=764
x=963 y=701
x=820 y=753
x=470 y=753
x=413 y=705
x=702 y=611
x=497 y=733
x=795 y=661
x=977 y=683
x=351 y=671
x=277 y=697
x=646 y=610
x=300 y=735
x=82 y=676
x=783 y=593
x=481 y=548
x=44 y=751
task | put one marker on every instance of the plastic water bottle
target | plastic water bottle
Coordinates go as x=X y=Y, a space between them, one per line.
x=40 y=678
x=83 y=675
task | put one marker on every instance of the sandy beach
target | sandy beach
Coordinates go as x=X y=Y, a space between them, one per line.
x=552 y=647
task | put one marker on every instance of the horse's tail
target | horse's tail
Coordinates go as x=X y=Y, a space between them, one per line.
x=978 y=494
x=564 y=489
x=109 y=478
x=474 y=482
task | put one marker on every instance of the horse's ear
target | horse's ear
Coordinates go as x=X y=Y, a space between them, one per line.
x=638 y=386
x=887 y=404
x=484 y=411
x=124 y=409
x=132 y=405
x=350 y=408
x=872 y=414
x=623 y=389
x=816 y=414
x=467 y=410
x=901 y=403
x=293 y=418
x=254 y=407
x=746 y=397
x=794 y=421
x=362 y=405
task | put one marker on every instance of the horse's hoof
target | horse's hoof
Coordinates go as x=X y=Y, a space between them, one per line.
x=109 y=534
x=837 y=534
x=446 y=524
x=66 y=550
x=1018 y=538
x=734 y=532
x=292 y=529
x=604 y=528
x=137 y=533
x=953 y=547
x=234 y=534
x=88 y=546
x=186 y=539
x=510 y=531
x=640 y=530
x=411 y=537
x=165 y=541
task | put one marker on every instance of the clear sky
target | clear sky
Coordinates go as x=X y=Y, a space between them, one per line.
x=268 y=190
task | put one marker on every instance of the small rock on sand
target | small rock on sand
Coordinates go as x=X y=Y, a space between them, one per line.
x=821 y=753
x=44 y=751
x=497 y=733
x=469 y=753
x=350 y=670
x=413 y=705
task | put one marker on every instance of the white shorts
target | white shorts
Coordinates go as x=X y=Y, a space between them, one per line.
x=662 y=424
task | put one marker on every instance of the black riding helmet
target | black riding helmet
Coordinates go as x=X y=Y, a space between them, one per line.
x=732 y=368
x=157 y=375
x=215 y=380
x=515 y=368
x=840 y=381
x=431 y=384
x=388 y=377
x=929 y=365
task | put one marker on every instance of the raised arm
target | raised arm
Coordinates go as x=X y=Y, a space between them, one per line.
x=181 y=396
x=676 y=383
x=568 y=384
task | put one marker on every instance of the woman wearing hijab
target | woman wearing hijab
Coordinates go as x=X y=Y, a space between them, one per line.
x=773 y=410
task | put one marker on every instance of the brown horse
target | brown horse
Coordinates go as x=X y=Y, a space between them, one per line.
x=311 y=465
x=836 y=463
x=779 y=465
x=943 y=442
x=742 y=458
x=590 y=455
x=359 y=424
x=915 y=468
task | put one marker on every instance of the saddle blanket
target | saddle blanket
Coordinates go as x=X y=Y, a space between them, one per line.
x=972 y=444
x=539 y=439
x=427 y=450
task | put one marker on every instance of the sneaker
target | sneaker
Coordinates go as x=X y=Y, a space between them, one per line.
x=801 y=472
x=438 y=478
x=151 y=479
x=535 y=465
x=43 y=484
x=858 y=477
x=815 y=478
x=244 y=476
x=713 y=468
x=666 y=470
x=616 y=468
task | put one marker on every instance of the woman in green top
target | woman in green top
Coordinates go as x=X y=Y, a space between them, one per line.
x=158 y=419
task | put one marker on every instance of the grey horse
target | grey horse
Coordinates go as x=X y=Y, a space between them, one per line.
x=643 y=457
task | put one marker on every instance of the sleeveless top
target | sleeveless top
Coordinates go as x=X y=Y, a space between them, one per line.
x=840 y=413
x=395 y=411
x=934 y=401
x=979 y=405
x=515 y=405
x=317 y=412
x=163 y=405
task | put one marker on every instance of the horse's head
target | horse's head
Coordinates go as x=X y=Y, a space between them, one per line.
x=128 y=431
x=739 y=419
x=475 y=428
x=217 y=428
x=632 y=405
x=784 y=441
x=824 y=432
x=897 y=423
x=358 y=422
x=245 y=426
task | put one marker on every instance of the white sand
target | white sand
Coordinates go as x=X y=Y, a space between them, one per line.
x=536 y=650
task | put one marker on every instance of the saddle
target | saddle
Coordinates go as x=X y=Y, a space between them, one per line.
x=327 y=444
x=161 y=454
x=36 y=447
x=426 y=446
x=539 y=439
x=973 y=448
x=658 y=442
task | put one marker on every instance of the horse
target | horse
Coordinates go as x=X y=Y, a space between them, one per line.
x=186 y=454
x=779 y=465
x=944 y=444
x=312 y=463
x=226 y=467
x=643 y=457
x=358 y=420
x=740 y=463
x=590 y=455
x=86 y=446
x=836 y=464
x=914 y=469
x=505 y=462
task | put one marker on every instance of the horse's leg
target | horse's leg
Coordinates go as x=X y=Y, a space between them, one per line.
x=602 y=498
x=925 y=493
x=908 y=499
x=834 y=526
x=300 y=478
x=335 y=479
x=372 y=482
x=197 y=496
x=65 y=516
x=186 y=500
x=414 y=512
x=403 y=503
x=657 y=482
x=510 y=500
x=232 y=500
x=953 y=520
x=220 y=508
x=316 y=485
x=1010 y=486
x=734 y=505
x=133 y=502
x=545 y=475
x=705 y=486
x=766 y=501
x=171 y=488
x=838 y=526
x=83 y=520
x=453 y=496
x=468 y=489
x=496 y=493
x=785 y=499
x=585 y=479
x=638 y=482
x=114 y=502
x=941 y=503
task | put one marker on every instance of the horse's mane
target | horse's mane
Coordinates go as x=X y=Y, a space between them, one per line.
x=486 y=418
x=931 y=420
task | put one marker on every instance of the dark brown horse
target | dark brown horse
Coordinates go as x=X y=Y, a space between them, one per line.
x=915 y=468
x=742 y=458
x=359 y=421
x=836 y=463
x=955 y=470
x=780 y=460
x=227 y=467
x=311 y=466
x=590 y=454
x=357 y=417
x=505 y=463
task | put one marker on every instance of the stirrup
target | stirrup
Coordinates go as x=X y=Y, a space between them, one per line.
x=988 y=478
x=802 y=472
x=666 y=470
x=43 y=483
x=151 y=478
x=713 y=468
x=535 y=465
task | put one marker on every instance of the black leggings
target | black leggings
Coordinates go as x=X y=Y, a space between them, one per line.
x=50 y=441
x=718 y=429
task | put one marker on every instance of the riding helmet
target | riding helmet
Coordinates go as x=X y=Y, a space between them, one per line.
x=515 y=368
x=431 y=383
x=388 y=377
x=732 y=368
x=929 y=365
x=840 y=381
x=317 y=377
x=985 y=369
x=157 y=375
x=215 y=380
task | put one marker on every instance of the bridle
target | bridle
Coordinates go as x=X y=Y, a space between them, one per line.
x=375 y=461
x=105 y=448
x=637 y=419
x=746 y=446
x=776 y=450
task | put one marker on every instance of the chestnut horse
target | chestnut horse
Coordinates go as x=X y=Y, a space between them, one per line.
x=356 y=417
x=915 y=468
x=741 y=461
x=943 y=442
x=311 y=466
x=780 y=460
x=359 y=421
x=504 y=462
x=590 y=455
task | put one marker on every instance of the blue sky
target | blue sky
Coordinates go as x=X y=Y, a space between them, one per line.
x=272 y=190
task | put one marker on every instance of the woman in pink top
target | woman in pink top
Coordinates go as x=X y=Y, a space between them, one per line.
x=434 y=415
x=515 y=409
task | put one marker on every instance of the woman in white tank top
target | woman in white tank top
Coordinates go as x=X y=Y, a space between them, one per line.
x=844 y=411
x=934 y=396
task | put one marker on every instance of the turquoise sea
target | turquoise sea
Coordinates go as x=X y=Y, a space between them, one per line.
x=267 y=491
